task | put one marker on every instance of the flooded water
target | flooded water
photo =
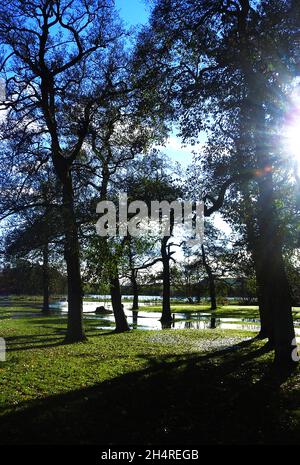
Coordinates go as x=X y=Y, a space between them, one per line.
x=142 y=319
x=150 y=320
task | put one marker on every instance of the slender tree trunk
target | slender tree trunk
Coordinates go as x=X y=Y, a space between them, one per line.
x=211 y=280
x=115 y=288
x=213 y=322
x=116 y=299
x=133 y=277
x=75 y=331
x=135 y=290
x=46 y=279
x=135 y=314
x=166 y=316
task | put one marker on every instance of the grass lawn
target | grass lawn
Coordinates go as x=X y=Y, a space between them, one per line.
x=142 y=387
x=229 y=311
x=223 y=311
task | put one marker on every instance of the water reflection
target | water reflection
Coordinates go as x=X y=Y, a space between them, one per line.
x=140 y=319
x=167 y=325
x=151 y=320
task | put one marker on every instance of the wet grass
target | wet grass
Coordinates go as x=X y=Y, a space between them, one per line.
x=142 y=387
x=31 y=304
x=224 y=311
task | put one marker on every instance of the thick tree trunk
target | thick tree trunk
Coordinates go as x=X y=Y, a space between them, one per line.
x=276 y=294
x=264 y=303
x=116 y=299
x=75 y=331
x=62 y=166
x=211 y=281
x=46 y=279
x=273 y=290
x=260 y=274
x=166 y=316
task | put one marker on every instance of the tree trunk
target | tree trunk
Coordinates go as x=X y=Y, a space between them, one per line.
x=255 y=247
x=75 y=331
x=276 y=295
x=133 y=276
x=135 y=290
x=46 y=279
x=115 y=289
x=166 y=324
x=116 y=299
x=273 y=290
x=211 y=280
x=213 y=322
x=135 y=314
x=264 y=303
x=166 y=316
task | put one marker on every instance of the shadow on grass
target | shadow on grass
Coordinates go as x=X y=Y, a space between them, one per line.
x=47 y=340
x=16 y=344
x=217 y=398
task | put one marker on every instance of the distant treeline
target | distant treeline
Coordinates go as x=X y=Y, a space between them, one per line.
x=26 y=278
x=235 y=287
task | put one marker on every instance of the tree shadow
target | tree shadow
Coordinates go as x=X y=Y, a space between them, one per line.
x=35 y=343
x=45 y=341
x=218 y=398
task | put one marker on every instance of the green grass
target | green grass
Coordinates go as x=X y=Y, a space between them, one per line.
x=223 y=311
x=36 y=344
x=147 y=387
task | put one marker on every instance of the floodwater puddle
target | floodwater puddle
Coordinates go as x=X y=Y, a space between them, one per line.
x=181 y=320
x=146 y=320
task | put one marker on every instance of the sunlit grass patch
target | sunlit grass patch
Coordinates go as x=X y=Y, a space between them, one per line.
x=78 y=393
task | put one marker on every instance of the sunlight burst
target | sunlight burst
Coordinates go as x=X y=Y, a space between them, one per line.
x=293 y=136
x=292 y=128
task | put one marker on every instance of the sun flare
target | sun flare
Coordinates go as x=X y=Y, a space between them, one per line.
x=293 y=139
x=292 y=127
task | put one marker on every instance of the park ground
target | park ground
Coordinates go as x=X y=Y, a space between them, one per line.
x=143 y=387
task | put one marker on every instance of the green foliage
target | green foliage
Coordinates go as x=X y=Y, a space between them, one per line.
x=26 y=277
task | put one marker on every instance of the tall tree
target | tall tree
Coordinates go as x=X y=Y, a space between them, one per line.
x=225 y=82
x=153 y=179
x=50 y=47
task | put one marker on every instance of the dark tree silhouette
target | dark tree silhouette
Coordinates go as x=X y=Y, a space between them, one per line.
x=50 y=50
x=219 y=79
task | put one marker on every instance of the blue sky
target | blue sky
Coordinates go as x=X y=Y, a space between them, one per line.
x=133 y=11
